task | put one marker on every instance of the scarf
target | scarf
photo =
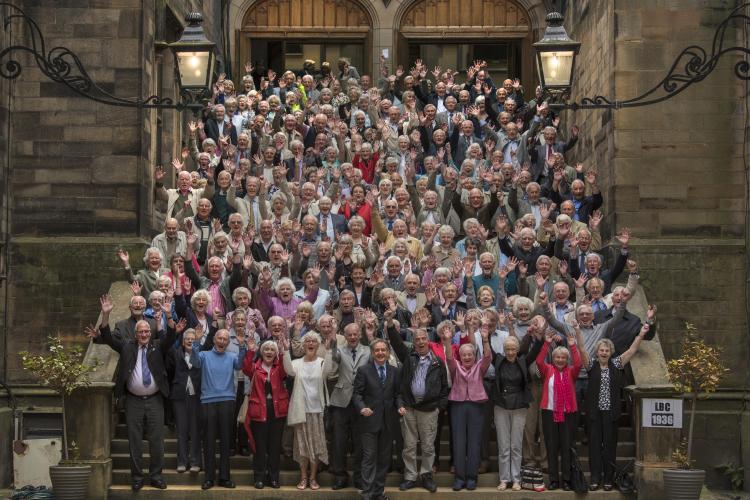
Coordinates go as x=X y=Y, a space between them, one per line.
x=564 y=398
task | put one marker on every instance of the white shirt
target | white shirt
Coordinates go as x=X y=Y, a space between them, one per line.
x=135 y=383
x=309 y=376
x=329 y=225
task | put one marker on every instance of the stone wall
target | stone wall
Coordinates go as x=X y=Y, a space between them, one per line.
x=81 y=172
x=674 y=173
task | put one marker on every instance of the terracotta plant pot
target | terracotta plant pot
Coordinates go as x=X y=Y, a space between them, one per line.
x=70 y=482
x=683 y=484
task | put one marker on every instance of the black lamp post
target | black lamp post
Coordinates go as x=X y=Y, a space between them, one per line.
x=194 y=55
x=556 y=54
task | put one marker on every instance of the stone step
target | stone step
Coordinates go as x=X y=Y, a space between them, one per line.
x=193 y=492
x=291 y=477
x=120 y=446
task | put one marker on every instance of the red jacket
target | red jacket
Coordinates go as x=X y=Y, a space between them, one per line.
x=366 y=167
x=365 y=211
x=547 y=370
x=256 y=407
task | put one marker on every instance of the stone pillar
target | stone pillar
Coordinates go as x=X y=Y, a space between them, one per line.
x=654 y=446
x=89 y=420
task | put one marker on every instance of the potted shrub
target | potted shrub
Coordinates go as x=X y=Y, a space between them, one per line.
x=696 y=372
x=61 y=369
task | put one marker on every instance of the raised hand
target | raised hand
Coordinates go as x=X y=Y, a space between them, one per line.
x=591 y=177
x=178 y=165
x=562 y=267
x=581 y=280
x=136 y=287
x=651 y=313
x=124 y=257
x=180 y=326
x=595 y=219
x=631 y=266
x=623 y=237
x=91 y=332
x=159 y=173
x=522 y=268
x=460 y=320
x=540 y=280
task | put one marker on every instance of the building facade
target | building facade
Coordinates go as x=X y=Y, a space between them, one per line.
x=77 y=175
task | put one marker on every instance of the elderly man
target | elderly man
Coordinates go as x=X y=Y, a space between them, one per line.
x=424 y=391
x=534 y=204
x=218 y=368
x=171 y=242
x=142 y=379
x=460 y=142
x=476 y=207
x=593 y=262
x=329 y=224
x=376 y=399
x=183 y=198
x=220 y=126
x=399 y=231
x=583 y=205
x=253 y=207
x=349 y=358
x=545 y=152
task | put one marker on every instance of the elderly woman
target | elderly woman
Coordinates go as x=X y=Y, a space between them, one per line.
x=466 y=397
x=312 y=280
x=445 y=253
x=559 y=408
x=239 y=329
x=309 y=399
x=511 y=396
x=184 y=392
x=267 y=408
x=283 y=303
x=241 y=297
x=146 y=277
x=603 y=402
x=356 y=205
x=198 y=316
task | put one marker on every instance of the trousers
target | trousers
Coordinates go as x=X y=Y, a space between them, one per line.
x=509 y=425
x=145 y=416
x=218 y=421
x=602 y=446
x=559 y=439
x=267 y=437
x=419 y=426
x=187 y=416
x=466 y=429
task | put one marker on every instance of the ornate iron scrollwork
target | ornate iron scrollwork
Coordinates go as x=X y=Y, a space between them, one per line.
x=62 y=65
x=691 y=66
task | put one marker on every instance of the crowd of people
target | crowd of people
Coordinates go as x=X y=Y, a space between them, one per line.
x=350 y=265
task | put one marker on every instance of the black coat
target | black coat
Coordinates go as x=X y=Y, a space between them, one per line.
x=179 y=372
x=211 y=129
x=499 y=387
x=383 y=400
x=624 y=332
x=128 y=350
x=436 y=380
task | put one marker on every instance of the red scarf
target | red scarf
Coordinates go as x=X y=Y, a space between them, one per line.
x=564 y=398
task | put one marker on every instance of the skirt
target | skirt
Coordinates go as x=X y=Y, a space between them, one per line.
x=310 y=440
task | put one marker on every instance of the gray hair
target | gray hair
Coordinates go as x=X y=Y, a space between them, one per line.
x=150 y=251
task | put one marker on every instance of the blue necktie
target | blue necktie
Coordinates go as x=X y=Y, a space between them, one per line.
x=381 y=370
x=145 y=372
x=390 y=225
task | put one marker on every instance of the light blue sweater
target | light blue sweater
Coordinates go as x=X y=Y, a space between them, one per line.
x=217 y=373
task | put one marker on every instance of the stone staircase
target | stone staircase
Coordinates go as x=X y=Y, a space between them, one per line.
x=187 y=485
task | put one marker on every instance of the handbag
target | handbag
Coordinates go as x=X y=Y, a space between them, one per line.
x=625 y=477
x=578 y=481
x=532 y=479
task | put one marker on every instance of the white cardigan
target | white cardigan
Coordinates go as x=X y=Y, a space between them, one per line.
x=296 y=413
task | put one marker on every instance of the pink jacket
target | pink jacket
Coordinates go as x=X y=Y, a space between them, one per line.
x=467 y=384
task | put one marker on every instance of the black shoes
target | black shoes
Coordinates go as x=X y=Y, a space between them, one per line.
x=340 y=484
x=137 y=484
x=259 y=485
x=227 y=484
x=607 y=487
x=207 y=485
x=428 y=483
x=274 y=484
x=159 y=483
x=553 y=485
x=407 y=485
x=358 y=484
x=566 y=486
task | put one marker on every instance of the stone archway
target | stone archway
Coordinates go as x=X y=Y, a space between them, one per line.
x=513 y=24
x=337 y=26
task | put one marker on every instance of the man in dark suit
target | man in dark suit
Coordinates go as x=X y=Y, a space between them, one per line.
x=330 y=223
x=543 y=153
x=143 y=378
x=218 y=127
x=625 y=331
x=125 y=329
x=344 y=414
x=376 y=398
